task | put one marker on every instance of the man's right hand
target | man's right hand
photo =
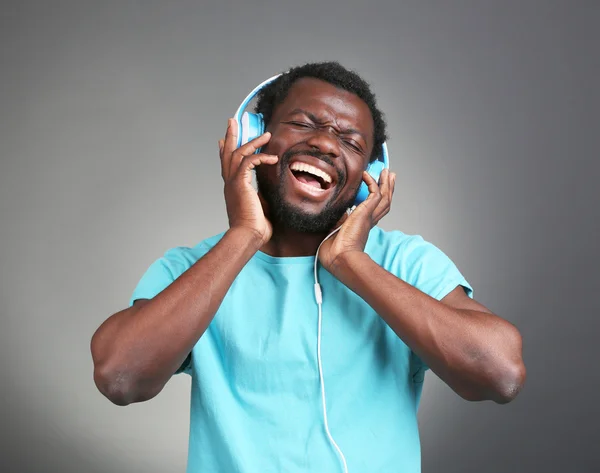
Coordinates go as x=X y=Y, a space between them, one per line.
x=244 y=208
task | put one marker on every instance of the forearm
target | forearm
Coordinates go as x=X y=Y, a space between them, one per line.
x=477 y=353
x=137 y=350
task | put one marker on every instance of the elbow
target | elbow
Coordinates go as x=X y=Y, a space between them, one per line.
x=502 y=377
x=510 y=372
x=511 y=377
x=510 y=383
x=501 y=388
x=120 y=388
x=110 y=381
x=119 y=385
x=113 y=386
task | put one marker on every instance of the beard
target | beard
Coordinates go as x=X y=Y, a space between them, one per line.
x=285 y=215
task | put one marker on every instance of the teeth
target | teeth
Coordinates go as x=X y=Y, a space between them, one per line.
x=298 y=166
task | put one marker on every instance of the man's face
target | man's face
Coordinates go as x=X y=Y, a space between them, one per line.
x=324 y=138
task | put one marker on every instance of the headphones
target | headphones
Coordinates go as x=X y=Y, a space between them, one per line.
x=252 y=125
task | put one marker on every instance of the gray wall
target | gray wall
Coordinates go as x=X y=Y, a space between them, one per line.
x=110 y=116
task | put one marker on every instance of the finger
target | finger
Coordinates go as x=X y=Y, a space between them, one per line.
x=247 y=150
x=221 y=144
x=371 y=183
x=374 y=196
x=383 y=204
x=379 y=214
x=386 y=187
x=230 y=136
x=252 y=161
x=385 y=184
x=386 y=196
x=229 y=145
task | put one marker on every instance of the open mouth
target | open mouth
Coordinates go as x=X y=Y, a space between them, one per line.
x=311 y=176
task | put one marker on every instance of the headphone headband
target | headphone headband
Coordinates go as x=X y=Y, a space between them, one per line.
x=249 y=97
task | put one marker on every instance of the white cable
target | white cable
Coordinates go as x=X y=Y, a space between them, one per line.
x=319 y=298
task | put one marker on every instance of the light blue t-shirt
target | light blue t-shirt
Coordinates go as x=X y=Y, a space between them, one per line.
x=256 y=401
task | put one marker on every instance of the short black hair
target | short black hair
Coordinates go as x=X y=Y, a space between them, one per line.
x=334 y=73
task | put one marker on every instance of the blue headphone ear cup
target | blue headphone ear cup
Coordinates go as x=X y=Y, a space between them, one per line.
x=374 y=169
x=363 y=193
x=251 y=127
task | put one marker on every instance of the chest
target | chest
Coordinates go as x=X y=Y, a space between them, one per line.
x=266 y=334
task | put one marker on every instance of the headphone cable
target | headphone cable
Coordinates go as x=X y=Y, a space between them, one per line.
x=319 y=299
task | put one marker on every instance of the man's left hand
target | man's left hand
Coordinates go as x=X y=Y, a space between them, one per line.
x=354 y=232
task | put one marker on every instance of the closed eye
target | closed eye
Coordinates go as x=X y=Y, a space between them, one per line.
x=347 y=142
x=300 y=124
x=353 y=145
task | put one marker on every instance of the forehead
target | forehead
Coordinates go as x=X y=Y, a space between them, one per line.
x=328 y=102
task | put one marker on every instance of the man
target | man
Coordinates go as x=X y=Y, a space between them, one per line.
x=238 y=312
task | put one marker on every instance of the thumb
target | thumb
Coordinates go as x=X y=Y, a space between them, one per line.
x=341 y=221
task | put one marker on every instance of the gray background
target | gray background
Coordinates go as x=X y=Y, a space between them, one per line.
x=110 y=116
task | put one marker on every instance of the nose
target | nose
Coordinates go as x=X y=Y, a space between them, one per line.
x=325 y=140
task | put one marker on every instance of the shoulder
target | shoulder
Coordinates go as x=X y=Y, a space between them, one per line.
x=179 y=258
x=168 y=267
x=415 y=260
x=385 y=246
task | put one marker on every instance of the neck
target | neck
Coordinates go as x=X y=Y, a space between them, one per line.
x=289 y=243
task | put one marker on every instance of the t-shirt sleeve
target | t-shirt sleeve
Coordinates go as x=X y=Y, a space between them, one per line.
x=429 y=269
x=159 y=275
x=156 y=278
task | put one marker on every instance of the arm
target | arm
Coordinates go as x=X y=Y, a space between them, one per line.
x=478 y=354
x=137 y=350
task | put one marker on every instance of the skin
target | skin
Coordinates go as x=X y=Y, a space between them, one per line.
x=475 y=352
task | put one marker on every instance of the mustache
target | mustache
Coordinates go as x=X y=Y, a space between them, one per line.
x=285 y=157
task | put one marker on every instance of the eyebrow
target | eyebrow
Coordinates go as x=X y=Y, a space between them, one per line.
x=314 y=118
